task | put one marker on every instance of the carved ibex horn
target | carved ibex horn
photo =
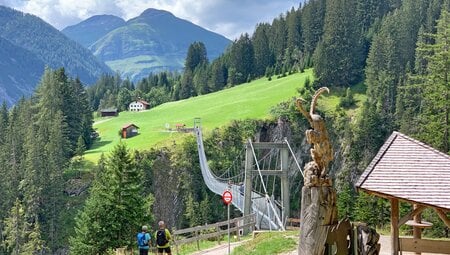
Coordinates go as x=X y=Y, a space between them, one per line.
x=315 y=97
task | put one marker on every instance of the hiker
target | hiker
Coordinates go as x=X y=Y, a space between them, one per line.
x=163 y=237
x=143 y=239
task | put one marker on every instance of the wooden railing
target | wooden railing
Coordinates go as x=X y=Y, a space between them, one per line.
x=212 y=231
x=424 y=245
x=293 y=224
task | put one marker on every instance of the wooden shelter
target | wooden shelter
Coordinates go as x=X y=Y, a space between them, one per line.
x=109 y=112
x=410 y=171
x=129 y=130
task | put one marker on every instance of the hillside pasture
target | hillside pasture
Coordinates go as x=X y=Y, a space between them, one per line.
x=247 y=101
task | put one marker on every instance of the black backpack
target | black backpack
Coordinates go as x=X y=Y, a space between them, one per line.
x=161 y=238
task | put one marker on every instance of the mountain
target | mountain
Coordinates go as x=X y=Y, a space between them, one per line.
x=154 y=41
x=30 y=45
x=89 y=31
x=14 y=63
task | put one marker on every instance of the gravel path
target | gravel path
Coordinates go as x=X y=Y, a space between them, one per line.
x=384 y=240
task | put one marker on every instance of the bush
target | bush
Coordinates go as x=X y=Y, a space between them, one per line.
x=348 y=100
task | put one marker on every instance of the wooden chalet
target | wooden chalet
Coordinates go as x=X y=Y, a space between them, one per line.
x=109 y=112
x=410 y=171
x=129 y=130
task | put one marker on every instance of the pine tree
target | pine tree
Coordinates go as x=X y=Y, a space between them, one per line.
x=196 y=56
x=34 y=244
x=293 y=24
x=115 y=208
x=219 y=75
x=434 y=116
x=338 y=59
x=263 y=55
x=200 y=80
x=14 y=229
x=242 y=57
x=186 y=85
x=278 y=38
x=312 y=22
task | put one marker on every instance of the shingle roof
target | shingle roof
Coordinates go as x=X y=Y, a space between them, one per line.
x=410 y=170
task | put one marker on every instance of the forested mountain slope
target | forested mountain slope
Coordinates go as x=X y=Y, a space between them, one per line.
x=90 y=30
x=14 y=63
x=154 y=41
x=47 y=45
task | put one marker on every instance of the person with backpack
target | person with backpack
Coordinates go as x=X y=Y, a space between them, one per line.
x=143 y=240
x=163 y=238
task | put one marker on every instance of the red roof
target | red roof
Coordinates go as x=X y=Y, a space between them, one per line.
x=129 y=125
x=143 y=102
x=410 y=170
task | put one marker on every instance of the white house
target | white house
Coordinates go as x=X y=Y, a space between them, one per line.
x=138 y=105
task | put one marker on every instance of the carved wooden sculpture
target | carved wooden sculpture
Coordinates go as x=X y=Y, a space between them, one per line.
x=319 y=211
x=322 y=152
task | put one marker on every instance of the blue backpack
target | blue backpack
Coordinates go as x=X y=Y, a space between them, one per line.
x=141 y=240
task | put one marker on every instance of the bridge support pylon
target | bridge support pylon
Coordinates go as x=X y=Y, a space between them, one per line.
x=250 y=171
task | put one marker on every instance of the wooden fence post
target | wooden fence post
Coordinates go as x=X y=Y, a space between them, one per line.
x=238 y=230
x=219 y=236
x=198 y=239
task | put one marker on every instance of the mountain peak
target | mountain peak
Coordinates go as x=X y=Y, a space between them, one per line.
x=152 y=12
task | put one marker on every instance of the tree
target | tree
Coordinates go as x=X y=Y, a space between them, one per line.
x=262 y=53
x=434 y=116
x=293 y=24
x=242 y=57
x=14 y=229
x=200 y=80
x=187 y=85
x=278 y=38
x=196 y=56
x=115 y=208
x=312 y=22
x=338 y=59
x=219 y=75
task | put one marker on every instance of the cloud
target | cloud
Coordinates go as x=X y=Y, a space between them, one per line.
x=227 y=17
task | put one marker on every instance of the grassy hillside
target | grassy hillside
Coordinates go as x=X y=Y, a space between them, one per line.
x=249 y=100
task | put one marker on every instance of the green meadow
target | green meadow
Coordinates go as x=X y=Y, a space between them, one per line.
x=247 y=101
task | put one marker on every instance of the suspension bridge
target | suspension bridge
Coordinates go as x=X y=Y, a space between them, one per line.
x=254 y=183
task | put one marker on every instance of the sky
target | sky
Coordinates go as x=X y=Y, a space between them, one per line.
x=230 y=18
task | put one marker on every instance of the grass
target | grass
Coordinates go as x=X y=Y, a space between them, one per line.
x=247 y=101
x=332 y=100
x=269 y=243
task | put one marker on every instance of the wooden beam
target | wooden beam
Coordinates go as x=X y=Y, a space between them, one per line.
x=411 y=214
x=443 y=216
x=425 y=245
x=394 y=226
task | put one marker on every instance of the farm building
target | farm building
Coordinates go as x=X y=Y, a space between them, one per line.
x=129 y=130
x=109 y=112
x=138 y=105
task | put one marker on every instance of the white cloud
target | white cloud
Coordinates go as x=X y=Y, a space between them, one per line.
x=227 y=17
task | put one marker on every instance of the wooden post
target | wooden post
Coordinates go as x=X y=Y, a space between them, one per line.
x=120 y=251
x=318 y=213
x=197 y=239
x=238 y=228
x=219 y=236
x=394 y=226
x=417 y=232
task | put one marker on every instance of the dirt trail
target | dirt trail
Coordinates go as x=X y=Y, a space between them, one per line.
x=385 y=242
